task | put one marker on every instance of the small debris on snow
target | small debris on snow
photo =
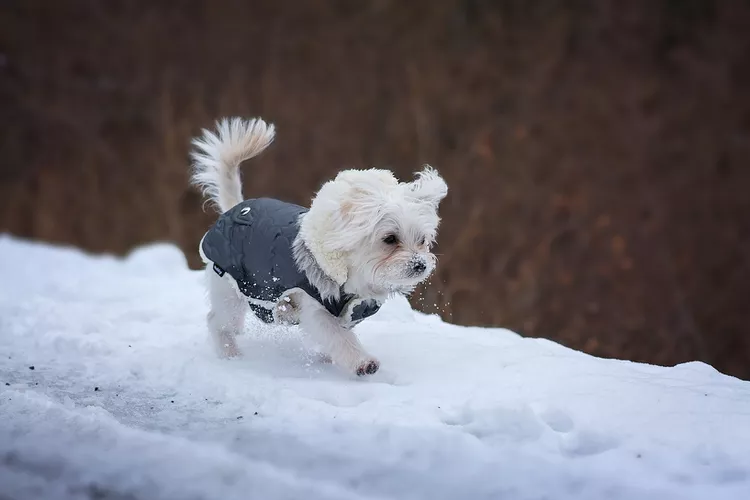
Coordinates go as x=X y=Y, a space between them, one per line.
x=96 y=389
x=31 y=367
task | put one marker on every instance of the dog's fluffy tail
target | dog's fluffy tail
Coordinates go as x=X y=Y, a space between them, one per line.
x=217 y=157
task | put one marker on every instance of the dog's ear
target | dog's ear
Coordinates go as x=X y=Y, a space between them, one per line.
x=429 y=186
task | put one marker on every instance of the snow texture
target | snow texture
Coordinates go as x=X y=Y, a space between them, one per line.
x=109 y=389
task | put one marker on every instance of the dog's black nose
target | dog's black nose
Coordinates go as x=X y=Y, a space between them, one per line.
x=419 y=267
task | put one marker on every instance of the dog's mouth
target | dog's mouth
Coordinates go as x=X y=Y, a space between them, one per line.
x=402 y=277
x=414 y=277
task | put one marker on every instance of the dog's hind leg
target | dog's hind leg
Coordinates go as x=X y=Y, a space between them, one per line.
x=226 y=317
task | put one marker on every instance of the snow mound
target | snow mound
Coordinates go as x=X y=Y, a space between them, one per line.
x=109 y=389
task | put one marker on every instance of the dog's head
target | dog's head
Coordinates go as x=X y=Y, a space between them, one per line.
x=372 y=233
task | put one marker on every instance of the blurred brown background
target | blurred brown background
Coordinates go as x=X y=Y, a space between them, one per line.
x=596 y=151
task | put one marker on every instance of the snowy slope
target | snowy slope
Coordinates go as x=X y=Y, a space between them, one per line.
x=126 y=400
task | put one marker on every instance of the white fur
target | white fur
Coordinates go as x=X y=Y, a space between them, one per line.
x=342 y=242
x=217 y=158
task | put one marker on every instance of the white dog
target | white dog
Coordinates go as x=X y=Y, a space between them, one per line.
x=366 y=236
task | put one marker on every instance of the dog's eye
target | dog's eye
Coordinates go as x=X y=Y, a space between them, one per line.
x=391 y=239
x=422 y=241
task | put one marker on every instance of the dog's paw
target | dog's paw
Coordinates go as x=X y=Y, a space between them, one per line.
x=230 y=350
x=225 y=344
x=287 y=310
x=368 y=367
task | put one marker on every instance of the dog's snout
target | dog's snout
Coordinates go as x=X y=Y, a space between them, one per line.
x=419 y=266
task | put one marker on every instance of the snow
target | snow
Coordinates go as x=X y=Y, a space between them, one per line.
x=127 y=400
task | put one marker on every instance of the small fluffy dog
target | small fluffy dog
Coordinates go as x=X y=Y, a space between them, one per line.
x=366 y=236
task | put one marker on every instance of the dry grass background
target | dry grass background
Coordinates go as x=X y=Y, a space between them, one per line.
x=596 y=151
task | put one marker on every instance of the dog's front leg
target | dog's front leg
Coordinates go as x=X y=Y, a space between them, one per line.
x=338 y=342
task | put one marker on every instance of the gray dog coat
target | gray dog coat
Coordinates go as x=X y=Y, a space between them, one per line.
x=252 y=242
